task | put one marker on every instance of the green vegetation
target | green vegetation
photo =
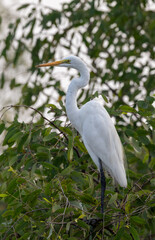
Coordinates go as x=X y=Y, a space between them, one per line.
x=49 y=186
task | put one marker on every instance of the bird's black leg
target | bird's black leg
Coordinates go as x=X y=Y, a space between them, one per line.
x=103 y=186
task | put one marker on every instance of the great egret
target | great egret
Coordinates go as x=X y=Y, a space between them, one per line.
x=95 y=126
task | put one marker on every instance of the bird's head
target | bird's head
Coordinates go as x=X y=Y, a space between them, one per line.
x=71 y=62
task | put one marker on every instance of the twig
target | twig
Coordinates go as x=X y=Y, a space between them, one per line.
x=63 y=192
x=41 y=114
x=67 y=203
x=135 y=184
x=21 y=218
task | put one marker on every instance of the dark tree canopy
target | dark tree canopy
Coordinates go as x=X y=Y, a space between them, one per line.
x=49 y=186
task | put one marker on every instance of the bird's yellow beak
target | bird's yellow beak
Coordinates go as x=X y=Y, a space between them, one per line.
x=53 y=63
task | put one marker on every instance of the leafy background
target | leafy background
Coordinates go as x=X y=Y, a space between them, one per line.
x=49 y=186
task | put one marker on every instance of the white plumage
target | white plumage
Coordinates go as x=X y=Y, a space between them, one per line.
x=94 y=124
x=107 y=148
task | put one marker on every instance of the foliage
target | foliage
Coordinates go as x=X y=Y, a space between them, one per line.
x=49 y=186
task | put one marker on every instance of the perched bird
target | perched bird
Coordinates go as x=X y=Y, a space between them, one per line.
x=95 y=126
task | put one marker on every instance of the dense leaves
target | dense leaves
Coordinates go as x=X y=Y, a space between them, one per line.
x=49 y=186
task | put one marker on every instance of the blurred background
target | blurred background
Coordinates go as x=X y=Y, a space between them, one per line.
x=49 y=186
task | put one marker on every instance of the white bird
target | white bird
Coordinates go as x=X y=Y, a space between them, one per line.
x=95 y=126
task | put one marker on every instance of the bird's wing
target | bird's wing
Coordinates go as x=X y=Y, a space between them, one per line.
x=102 y=141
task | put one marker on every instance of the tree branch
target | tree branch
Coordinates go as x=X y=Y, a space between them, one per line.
x=45 y=118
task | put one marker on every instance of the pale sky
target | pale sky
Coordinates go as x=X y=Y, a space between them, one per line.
x=53 y=3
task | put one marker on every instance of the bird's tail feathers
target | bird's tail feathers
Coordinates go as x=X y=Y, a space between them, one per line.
x=120 y=175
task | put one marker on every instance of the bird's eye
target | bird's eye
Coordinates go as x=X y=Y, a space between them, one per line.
x=66 y=61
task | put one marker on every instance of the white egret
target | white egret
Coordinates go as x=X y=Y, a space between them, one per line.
x=95 y=126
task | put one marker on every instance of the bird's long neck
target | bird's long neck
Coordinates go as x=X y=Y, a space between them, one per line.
x=71 y=96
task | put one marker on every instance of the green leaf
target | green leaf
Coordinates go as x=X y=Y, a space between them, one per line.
x=68 y=226
x=13 y=160
x=137 y=219
x=142 y=104
x=113 y=199
x=43 y=156
x=2 y=81
x=13 y=83
x=66 y=130
x=50 y=232
x=23 y=6
x=72 y=238
x=77 y=177
x=144 y=140
x=135 y=144
x=70 y=148
x=91 y=183
x=9 y=134
x=7 y=213
x=67 y=171
x=120 y=233
x=2 y=127
x=51 y=106
x=12 y=186
x=83 y=224
x=23 y=141
x=150 y=99
x=49 y=137
x=134 y=233
x=80 y=144
x=87 y=199
x=3 y=195
x=127 y=109
x=105 y=98
x=15 y=137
